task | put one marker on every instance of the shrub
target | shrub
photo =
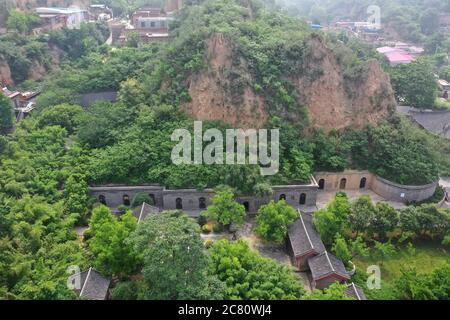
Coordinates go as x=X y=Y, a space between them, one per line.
x=127 y=290
x=202 y=219
x=206 y=228
x=208 y=244
x=217 y=228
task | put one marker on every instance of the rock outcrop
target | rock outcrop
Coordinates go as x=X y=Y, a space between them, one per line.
x=218 y=95
x=334 y=98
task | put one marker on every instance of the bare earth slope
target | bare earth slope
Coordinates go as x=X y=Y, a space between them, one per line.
x=333 y=100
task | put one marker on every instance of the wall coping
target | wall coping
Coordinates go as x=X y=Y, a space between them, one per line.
x=155 y=186
x=388 y=182
x=408 y=187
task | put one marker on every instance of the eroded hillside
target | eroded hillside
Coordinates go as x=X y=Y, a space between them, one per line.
x=224 y=90
x=213 y=90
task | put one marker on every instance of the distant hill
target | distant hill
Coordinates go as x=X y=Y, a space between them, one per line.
x=413 y=20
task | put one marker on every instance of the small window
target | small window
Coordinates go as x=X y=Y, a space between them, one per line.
x=202 y=203
x=152 y=198
x=126 y=200
x=179 y=203
x=102 y=199
x=362 y=183
x=343 y=183
x=321 y=184
x=302 y=198
x=142 y=24
x=246 y=206
x=283 y=197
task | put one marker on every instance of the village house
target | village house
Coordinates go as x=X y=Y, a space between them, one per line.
x=23 y=102
x=100 y=12
x=436 y=122
x=354 y=291
x=151 y=24
x=303 y=241
x=362 y=30
x=143 y=211
x=396 y=56
x=57 y=18
x=326 y=269
x=444 y=85
x=93 y=285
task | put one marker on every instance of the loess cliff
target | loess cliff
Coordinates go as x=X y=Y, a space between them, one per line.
x=333 y=99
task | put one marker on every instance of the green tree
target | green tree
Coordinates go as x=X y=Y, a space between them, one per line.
x=341 y=250
x=133 y=40
x=384 y=251
x=140 y=198
x=414 y=83
x=385 y=220
x=331 y=220
x=175 y=265
x=21 y=21
x=249 y=276
x=127 y=290
x=273 y=220
x=76 y=196
x=131 y=93
x=425 y=220
x=361 y=214
x=429 y=21
x=6 y=113
x=225 y=209
x=359 y=248
x=336 y=291
x=64 y=115
x=412 y=285
x=113 y=255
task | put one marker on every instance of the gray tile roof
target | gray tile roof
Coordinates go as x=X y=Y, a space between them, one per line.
x=88 y=99
x=437 y=122
x=303 y=237
x=325 y=264
x=141 y=212
x=355 y=291
x=93 y=285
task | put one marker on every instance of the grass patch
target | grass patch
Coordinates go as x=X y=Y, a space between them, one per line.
x=425 y=257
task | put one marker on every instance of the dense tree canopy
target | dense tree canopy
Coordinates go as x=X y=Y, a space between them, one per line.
x=107 y=235
x=414 y=84
x=175 y=265
x=274 y=219
x=6 y=113
x=250 y=276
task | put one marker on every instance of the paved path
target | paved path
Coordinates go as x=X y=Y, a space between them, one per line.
x=325 y=197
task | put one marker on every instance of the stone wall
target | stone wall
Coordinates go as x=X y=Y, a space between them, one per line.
x=189 y=199
x=194 y=201
x=114 y=194
x=396 y=192
x=333 y=180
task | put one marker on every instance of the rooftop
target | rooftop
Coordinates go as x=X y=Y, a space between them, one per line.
x=303 y=237
x=355 y=291
x=93 y=285
x=143 y=211
x=326 y=264
x=437 y=122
